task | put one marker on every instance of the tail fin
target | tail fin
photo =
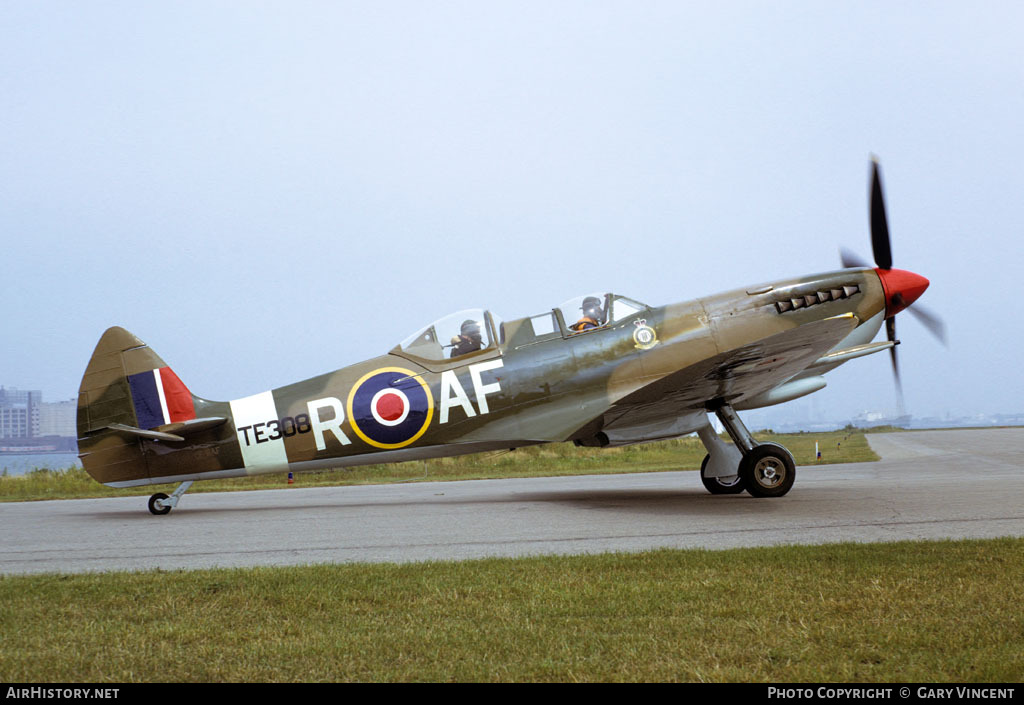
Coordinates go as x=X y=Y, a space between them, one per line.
x=127 y=392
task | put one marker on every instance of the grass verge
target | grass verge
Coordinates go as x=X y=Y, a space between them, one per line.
x=535 y=461
x=912 y=611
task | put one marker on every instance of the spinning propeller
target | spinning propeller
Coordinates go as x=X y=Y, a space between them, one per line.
x=902 y=288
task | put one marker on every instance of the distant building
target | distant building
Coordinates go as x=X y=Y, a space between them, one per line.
x=24 y=414
x=19 y=412
x=871 y=419
x=58 y=418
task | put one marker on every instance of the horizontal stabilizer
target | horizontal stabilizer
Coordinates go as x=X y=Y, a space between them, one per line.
x=186 y=428
x=156 y=435
x=172 y=431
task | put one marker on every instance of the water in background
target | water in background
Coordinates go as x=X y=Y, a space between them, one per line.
x=21 y=464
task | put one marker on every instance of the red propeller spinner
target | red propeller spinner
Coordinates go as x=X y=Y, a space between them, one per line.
x=901 y=287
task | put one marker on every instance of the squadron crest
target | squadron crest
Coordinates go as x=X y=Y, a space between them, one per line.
x=644 y=336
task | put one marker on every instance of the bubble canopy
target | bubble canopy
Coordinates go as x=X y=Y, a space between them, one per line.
x=474 y=329
x=457 y=334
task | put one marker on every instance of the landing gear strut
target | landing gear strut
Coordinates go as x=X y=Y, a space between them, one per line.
x=762 y=469
x=720 y=470
x=162 y=504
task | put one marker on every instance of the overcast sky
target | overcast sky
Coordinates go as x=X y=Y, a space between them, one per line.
x=268 y=191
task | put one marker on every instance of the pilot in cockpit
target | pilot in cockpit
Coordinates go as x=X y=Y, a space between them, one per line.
x=593 y=315
x=469 y=340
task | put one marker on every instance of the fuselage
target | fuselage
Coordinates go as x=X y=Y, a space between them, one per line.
x=523 y=388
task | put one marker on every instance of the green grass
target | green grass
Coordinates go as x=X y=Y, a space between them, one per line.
x=536 y=461
x=913 y=611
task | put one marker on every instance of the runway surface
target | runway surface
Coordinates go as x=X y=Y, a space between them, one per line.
x=929 y=485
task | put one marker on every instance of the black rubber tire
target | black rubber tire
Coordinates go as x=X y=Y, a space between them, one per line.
x=768 y=470
x=152 y=504
x=713 y=485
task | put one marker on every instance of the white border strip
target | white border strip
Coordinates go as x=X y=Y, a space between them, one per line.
x=259 y=453
x=163 y=399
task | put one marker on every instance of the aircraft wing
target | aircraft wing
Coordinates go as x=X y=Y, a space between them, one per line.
x=732 y=376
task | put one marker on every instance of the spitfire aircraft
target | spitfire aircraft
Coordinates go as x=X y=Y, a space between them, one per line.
x=599 y=370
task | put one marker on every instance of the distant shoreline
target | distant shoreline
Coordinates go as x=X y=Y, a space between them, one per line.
x=38 y=451
x=38 y=445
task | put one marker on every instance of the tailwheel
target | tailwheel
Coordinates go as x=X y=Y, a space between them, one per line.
x=731 y=484
x=162 y=504
x=156 y=504
x=767 y=470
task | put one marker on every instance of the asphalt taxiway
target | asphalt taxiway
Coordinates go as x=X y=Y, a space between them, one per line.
x=928 y=485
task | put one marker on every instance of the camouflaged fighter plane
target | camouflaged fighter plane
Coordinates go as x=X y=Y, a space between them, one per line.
x=601 y=370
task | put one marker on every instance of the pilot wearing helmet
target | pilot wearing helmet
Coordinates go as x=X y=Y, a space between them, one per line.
x=469 y=339
x=593 y=315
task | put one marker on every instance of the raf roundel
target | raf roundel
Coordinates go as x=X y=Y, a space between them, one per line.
x=390 y=407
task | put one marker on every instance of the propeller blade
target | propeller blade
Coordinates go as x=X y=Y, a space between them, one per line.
x=929 y=320
x=890 y=332
x=879 y=225
x=851 y=259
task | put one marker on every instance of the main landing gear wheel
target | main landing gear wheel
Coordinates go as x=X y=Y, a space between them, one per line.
x=720 y=485
x=156 y=504
x=767 y=470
